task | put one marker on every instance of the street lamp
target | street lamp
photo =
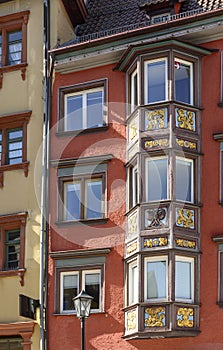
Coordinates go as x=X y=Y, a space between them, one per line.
x=82 y=304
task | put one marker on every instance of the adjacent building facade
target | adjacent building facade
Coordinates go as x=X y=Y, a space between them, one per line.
x=136 y=177
x=21 y=131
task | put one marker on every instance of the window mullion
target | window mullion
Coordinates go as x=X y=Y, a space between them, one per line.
x=85 y=107
x=82 y=198
x=4 y=47
x=4 y=146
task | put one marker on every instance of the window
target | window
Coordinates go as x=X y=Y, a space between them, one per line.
x=78 y=270
x=221 y=172
x=156 y=178
x=134 y=90
x=219 y=240
x=13 y=142
x=11 y=343
x=132 y=282
x=183 y=77
x=12 y=244
x=156 y=278
x=155 y=80
x=160 y=18
x=133 y=186
x=84 y=198
x=184 y=179
x=184 y=279
x=13 y=42
x=82 y=106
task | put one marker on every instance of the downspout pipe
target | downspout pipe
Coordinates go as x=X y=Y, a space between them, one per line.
x=44 y=230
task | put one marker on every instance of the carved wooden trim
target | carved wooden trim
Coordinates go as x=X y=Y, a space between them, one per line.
x=23 y=329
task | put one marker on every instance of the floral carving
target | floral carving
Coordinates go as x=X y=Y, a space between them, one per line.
x=185 y=218
x=131 y=320
x=155 y=317
x=156 y=119
x=185 y=317
x=156 y=217
x=185 y=119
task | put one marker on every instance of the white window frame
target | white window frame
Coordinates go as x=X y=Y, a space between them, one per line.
x=84 y=94
x=133 y=97
x=192 y=262
x=154 y=259
x=146 y=63
x=132 y=285
x=62 y=274
x=147 y=160
x=93 y=272
x=191 y=65
x=189 y=160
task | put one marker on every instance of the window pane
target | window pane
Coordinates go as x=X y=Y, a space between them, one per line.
x=134 y=90
x=11 y=343
x=184 y=180
x=133 y=284
x=70 y=290
x=0 y=147
x=14 y=48
x=183 y=280
x=14 y=146
x=72 y=201
x=156 y=279
x=92 y=287
x=183 y=76
x=94 y=109
x=156 y=81
x=93 y=201
x=74 y=112
x=156 y=179
x=12 y=249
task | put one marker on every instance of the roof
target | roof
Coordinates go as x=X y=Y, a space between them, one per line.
x=116 y=15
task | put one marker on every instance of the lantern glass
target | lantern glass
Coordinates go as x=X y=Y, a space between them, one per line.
x=82 y=304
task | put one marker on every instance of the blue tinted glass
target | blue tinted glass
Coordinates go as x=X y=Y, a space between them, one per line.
x=94 y=199
x=183 y=280
x=14 y=48
x=74 y=113
x=73 y=201
x=157 y=179
x=15 y=36
x=183 y=180
x=94 y=109
x=182 y=73
x=156 y=81
x=156 y=280
x=15 y=134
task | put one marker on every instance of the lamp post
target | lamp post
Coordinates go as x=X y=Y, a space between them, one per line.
x=82 y=304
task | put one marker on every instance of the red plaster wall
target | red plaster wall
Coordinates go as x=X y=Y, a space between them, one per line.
x=105 y=331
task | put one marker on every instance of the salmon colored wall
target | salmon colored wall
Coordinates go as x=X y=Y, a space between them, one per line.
x=105 y=331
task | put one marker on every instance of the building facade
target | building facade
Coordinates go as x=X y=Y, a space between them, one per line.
x=136 y=177
x=22 y=39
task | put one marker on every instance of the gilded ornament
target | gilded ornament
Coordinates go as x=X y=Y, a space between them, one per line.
x=186 y=144
x=156 y=143
x=185 y=243
x=131 y=320
x=155 y=317
x=132 y=132
x=155 y=242
x=186 y=119
x=185 y=317
x=156 y=119
x=132 y=224
x=131 y=248
x=185 y=218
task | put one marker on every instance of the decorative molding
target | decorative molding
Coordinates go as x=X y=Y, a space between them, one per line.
x=132 y=247
x=184 y=243
x=156 y=119
x=66 y=162
x=186 y=144
x=185 y=218
x=155 y=242
x=185 y=119
x=148 y=144
x=156 y=217
x=131 y=320
x=185 y=317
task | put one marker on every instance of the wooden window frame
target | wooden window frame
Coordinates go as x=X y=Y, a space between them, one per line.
x=219 y=240
x=13 y=22
x=82 y=88
x=8 y=223
x=82 y=179
x=8 y=122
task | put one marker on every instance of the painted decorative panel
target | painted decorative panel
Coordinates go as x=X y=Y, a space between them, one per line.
x=185 y=243
x=185 y=317
x=155 y=316
x=132 y=223
x=185 y=218
x=156 y=119
x=156 y=143
x=185 y=119
x=155 y=217
x=190 y=145
x=131 y=320
x=132 y=247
